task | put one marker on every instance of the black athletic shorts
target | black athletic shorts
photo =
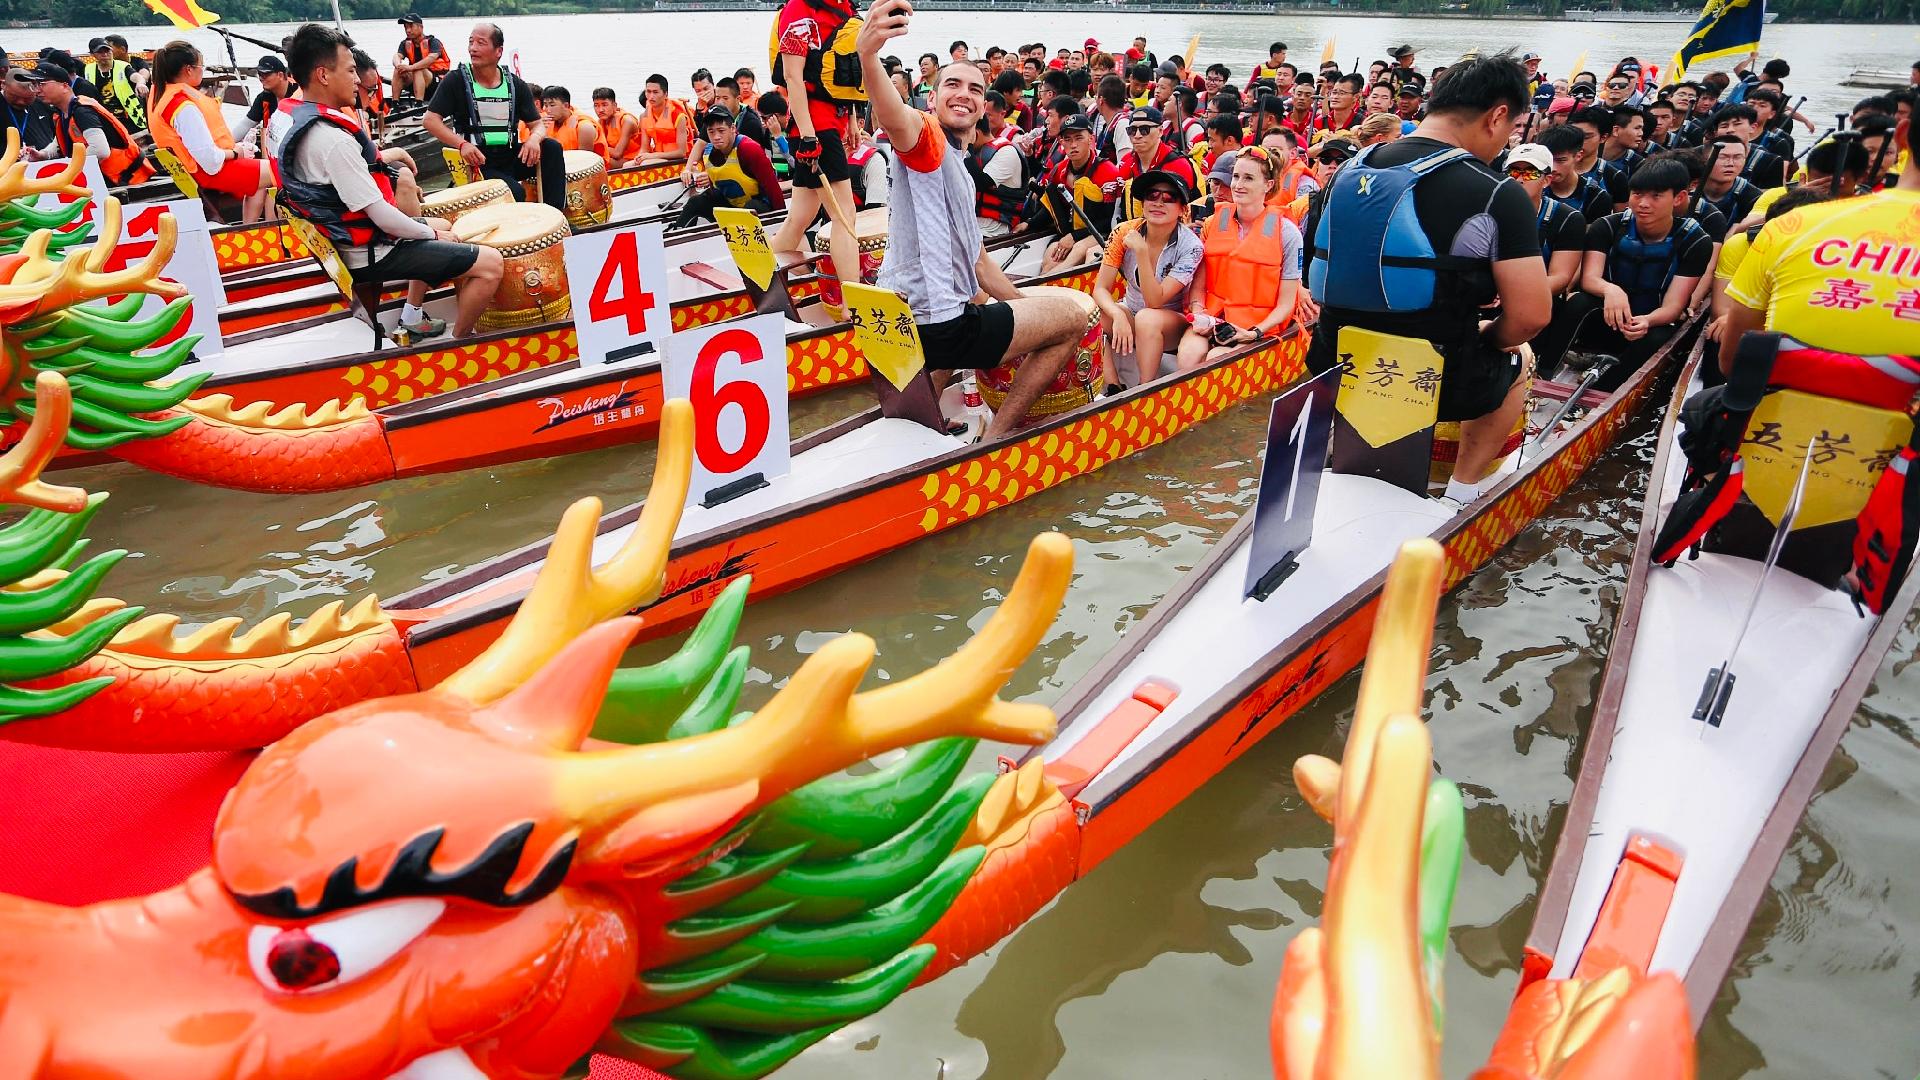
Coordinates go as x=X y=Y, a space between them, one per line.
x=435 y=262
x=976 y=338
x=833 y=163
x=1473 y=383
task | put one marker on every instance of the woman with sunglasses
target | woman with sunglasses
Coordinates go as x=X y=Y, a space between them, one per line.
x=1249 y=277
x=1157 y=256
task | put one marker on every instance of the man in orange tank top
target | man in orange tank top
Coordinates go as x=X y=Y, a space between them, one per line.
x=618 y=127
x=666 y=131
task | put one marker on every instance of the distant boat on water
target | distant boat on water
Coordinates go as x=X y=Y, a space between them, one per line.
x=1609 y=16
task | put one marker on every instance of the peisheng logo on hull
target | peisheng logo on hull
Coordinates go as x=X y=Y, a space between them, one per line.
x=604 y=408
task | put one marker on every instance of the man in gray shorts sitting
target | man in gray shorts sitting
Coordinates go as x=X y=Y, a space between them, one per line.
x=331 y=175
x=967 y=312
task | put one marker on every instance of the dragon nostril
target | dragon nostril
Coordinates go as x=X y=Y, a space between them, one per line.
x=300 y=961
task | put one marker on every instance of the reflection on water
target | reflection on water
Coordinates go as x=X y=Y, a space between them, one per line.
x=1162 y=963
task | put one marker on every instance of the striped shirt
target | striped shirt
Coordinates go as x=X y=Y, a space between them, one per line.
x=933 y=240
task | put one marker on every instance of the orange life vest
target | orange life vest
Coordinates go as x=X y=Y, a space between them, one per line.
x=123 y=163
x=569 y=135
x=662 y=136
x=612 y=136
x=167 y=137
x=415 y=51
x=1244 y=276
x=1287 y=187
x=375 y=100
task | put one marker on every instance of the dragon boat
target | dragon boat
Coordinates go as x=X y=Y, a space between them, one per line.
x=1769 y=579
x=1360 y=994
x=542 y=858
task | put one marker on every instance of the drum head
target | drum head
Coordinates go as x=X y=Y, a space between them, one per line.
x=506 y=225
x=478 y=193
x=581 y=163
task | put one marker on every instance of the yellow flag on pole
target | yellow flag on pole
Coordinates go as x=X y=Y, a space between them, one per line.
x=1326 y=54
x=184 y=14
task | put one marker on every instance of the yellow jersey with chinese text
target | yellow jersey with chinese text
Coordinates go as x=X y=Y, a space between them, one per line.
x=1840 y=275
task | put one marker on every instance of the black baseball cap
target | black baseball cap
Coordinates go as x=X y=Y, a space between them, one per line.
x=412 y=18
x=98 y=44
x=1145 y=114
x=1076 y=122
x=1404 y=50
x=716 y=115
x=52 y=73
x=1410 y=90
x=272 y=65
x=1153 y=178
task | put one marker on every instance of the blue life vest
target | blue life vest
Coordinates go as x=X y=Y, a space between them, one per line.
x=1552 y=213
x=1644 y=268
x=1736 y=203
x=1384 y=261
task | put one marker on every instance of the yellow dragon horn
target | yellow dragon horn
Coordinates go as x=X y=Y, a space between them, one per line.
x=48 y=285
x=20 y=467
x=15 y=184
x=570 y=595
x=816 y=724
x=1395 y=677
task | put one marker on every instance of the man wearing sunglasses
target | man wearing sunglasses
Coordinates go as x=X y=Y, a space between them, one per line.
x=1149 y=152
x=1563 y=229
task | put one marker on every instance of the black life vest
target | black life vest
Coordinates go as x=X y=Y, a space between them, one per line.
x=991 y=201
x=1553 y=213
x=318 y=202
x=1736 y=203
x=1645 y=268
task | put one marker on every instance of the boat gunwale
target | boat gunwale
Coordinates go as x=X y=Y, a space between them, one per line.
x=510 y=562
x=1210 y=709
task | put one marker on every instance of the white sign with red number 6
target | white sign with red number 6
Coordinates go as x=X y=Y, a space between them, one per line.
x=735 y=374
x=620 y=297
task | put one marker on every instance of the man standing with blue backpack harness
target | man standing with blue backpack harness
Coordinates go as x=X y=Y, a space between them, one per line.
x=1417 y=236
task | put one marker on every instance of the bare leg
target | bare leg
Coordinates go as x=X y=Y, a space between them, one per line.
x=399 y=79
x=1152 y=329
x=475 y=289
x=416 y=293
x=801 y=210
x=1047 y=329
x=1193 y=350
x=1481 y=438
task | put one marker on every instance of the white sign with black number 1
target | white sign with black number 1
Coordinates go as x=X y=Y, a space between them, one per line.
x=735 y=374
x=621 y=307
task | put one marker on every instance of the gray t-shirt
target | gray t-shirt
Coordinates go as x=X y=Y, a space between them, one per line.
x=1178 y=262
x=933 y=240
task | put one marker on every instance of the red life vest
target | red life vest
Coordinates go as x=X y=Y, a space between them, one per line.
x=318 y=202
x=991 y=201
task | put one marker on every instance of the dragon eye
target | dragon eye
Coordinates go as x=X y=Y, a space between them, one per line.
x=320 y=955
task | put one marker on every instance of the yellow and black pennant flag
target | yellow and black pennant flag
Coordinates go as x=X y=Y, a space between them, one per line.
x=1726 y=28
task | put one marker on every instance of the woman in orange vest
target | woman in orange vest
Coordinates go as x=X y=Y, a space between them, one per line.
x=188 y=124
x=572 y=130
x=1250 y=275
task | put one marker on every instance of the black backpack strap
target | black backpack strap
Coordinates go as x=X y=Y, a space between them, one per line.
x=1715 y=422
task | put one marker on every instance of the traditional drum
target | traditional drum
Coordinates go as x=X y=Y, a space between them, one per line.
x=1078 y=379
x=589 y=196
x=528 y=236
x=870 y=235
x=455 y=203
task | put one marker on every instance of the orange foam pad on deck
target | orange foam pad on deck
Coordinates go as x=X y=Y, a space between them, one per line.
x=1111 y=735
x=1635 y=911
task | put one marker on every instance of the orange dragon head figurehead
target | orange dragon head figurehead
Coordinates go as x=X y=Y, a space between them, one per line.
x=460 y=878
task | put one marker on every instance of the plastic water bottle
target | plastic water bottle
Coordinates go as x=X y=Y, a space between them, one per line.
x=973 y=411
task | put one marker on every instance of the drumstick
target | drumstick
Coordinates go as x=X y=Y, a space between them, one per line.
x=835 y=211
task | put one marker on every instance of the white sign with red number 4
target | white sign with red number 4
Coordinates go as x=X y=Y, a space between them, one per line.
x=621 y=306
x=193 y=265
x=735 y=374
x=90 y=178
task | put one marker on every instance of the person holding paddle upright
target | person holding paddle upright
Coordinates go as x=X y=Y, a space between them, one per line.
x=968 y=314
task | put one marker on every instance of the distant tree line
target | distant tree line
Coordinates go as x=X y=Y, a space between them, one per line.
x=133 y=13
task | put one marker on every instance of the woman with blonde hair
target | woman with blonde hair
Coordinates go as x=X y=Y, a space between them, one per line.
x=1249 y=277
x=1378 y=128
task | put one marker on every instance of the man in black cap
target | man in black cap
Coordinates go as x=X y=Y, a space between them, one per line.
x=1149 y=152
x=275 y=87
x=22 y=110
x=1531 y=61
x=115 y=77
x=85 y=122
x=1404 y=73
x=1078 y=195
x=420 y=60
x=65 y=62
